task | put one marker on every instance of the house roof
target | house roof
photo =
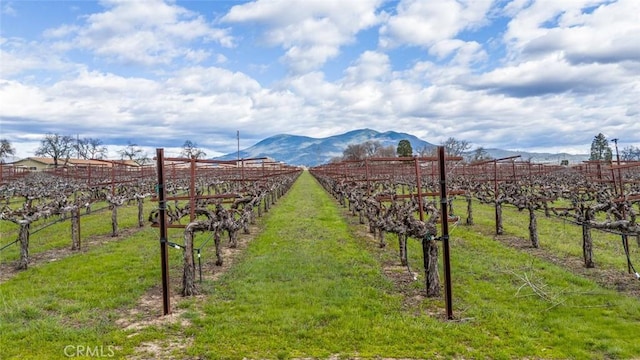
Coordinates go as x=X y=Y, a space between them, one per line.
x=78 y=162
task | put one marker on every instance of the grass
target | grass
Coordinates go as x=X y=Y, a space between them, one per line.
x=76 y=300
x=308 y=286
x=311 y=286
x=557 y=235
x=58 y=235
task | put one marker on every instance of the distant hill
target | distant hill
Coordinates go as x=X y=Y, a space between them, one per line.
x=308 y=151
x=540 y=158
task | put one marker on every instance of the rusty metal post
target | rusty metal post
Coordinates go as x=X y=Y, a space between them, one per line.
x=366 y=170
x=192 y=189
x=242 y=171
x=445 y=234
x=164 y=250
x=113 y=180
x=495 y=193
x=419 y=185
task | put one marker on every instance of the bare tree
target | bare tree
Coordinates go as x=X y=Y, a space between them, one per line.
x=58 y=147
x=386 y=151
x=6 y=149
x=354 y=152
x=630 y=153
x=190 y=150
x=371 y=147
x=134 y=153
x=427 y=150
x=89 y=148
x=455 y=147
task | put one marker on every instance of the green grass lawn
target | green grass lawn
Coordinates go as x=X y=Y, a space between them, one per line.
x=58 y=234
x=556 y=234
x=309 y=285
x=76 y=300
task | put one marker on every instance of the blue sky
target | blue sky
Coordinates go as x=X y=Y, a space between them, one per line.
x=528 y=75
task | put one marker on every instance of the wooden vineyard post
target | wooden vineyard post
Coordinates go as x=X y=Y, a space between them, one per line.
x=587 y=241
x=164 y=253
x=75 y=228
x=24 y=244
x=445 y=234
x=498 y=204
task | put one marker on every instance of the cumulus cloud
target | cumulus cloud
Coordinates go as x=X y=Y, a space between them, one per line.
x=310 y=32
x=125 y=32
x=582 y=31
x=18 y=57
x=548 y=76
x=424 y=23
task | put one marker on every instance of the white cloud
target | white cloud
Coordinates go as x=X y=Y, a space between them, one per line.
x=126 y=33
x=424 y=23
x=582 y=31
x=18 y=57
x=370 y=65
x=311 y=31
x=213 y=80
x=550 y=75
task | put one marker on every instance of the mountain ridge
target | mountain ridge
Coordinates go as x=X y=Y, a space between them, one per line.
x=309 y=151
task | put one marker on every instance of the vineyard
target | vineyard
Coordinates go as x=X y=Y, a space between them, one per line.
x=224 y=196
x=185 y=212
x=388 y=192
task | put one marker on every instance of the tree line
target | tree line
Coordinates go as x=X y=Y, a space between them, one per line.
x=601 y=150
x=61 y=148
x=374 y=148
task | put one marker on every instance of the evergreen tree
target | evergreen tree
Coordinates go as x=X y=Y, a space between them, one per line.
x=600 y=149
x=404 y=148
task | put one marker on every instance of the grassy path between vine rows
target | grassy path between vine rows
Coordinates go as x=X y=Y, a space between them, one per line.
x=310 y=286
x=313 y=284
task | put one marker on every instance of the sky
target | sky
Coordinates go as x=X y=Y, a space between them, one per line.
x=529 y=75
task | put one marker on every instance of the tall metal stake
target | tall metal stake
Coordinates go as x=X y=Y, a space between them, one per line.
x=445 y=234
x=625 y=238
x=164 y=250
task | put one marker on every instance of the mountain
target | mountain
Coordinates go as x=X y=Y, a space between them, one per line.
x=540 y=158
x=308 y=151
